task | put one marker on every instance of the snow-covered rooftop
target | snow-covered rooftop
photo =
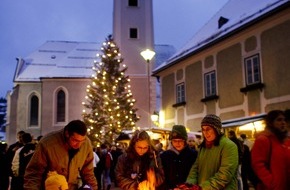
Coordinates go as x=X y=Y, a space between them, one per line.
x=66 y=59
x=163 y=52
x=58 y=59
x=234 y=14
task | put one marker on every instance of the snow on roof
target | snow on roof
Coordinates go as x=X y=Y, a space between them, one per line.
x=66 y=59
x=163 y=52
x=58 y=59
x=234 y=14
x=243 y=120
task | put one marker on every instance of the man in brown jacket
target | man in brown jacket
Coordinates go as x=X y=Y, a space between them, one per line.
x=68 y=152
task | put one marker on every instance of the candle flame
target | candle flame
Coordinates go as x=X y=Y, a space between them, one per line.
x=148 y=184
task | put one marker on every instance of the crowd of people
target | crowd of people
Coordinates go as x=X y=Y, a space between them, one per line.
x=65 y=159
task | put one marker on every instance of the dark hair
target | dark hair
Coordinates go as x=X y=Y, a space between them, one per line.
x=76 y=126
x=39 y=138
x=146 y=158
x=140 y=136
x=20 y=132
x=270 y=118
x=232 y=133
x=243 y=136
x=26 y=138
x=103 y=146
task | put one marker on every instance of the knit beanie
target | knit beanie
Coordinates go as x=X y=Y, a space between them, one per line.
x=212 y=121
x=55 y=181
x=178 y=132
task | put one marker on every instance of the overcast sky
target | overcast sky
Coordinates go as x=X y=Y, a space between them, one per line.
x=25 y=25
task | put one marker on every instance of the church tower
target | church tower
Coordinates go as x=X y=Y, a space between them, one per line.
x=133 y=33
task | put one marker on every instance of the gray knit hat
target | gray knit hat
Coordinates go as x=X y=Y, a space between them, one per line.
x=178 y=132
x=213 y=121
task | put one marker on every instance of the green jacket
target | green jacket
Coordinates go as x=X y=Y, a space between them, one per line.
x=216 y=167
x=51 y=154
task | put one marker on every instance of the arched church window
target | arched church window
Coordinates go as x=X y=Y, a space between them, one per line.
x=34 y=110
x=60 y=106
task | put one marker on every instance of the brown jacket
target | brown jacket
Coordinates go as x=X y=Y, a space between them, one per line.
x=51 y=154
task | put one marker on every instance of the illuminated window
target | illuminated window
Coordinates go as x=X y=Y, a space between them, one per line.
x=180 y=93
x=60 y=106
x=210 y=84
x=252 y=68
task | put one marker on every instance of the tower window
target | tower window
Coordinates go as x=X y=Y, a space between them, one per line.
x=133 y=33
x=133 y=3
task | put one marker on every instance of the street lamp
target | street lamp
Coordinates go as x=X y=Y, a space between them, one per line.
x=155 y=118
x=148 y=55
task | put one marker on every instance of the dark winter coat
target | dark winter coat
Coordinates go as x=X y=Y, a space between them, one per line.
x=176 y=165
x=4 y=171
x=129 y=172
x=24 y=157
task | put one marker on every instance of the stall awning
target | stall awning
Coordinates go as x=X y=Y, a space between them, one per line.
x=242 y=121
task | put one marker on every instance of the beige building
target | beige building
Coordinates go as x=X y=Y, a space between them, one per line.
x=237 y=66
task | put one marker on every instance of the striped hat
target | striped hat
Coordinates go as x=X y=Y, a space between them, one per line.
x=212 y=121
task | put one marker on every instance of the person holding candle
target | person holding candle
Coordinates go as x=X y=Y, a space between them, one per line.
x=139 y=160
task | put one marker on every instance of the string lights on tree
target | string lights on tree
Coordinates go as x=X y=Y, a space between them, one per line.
x=109 y=105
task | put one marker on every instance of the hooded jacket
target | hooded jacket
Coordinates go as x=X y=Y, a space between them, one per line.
x=52 y=154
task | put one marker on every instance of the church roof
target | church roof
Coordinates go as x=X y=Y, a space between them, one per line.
x=67 y=59
x=58 y=59
x=232 y=17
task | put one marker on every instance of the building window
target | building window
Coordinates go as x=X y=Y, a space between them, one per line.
x=132 y=3
x=133 y=33
x=210 y=84
x=60 y=106
x=180 y=93
x=252 y=68
x=34 y=110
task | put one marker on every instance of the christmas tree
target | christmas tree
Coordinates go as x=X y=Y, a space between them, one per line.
x=109 y=101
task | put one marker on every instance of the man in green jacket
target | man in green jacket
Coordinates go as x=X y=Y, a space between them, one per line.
x=67 y=152
x=217 y=161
